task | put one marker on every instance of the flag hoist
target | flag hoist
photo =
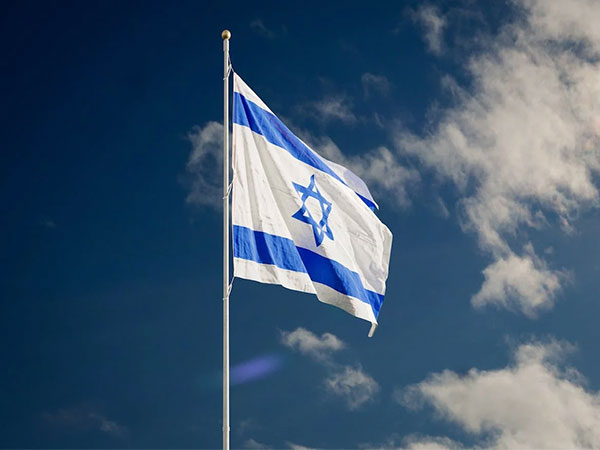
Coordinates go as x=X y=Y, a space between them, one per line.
x=298 y=220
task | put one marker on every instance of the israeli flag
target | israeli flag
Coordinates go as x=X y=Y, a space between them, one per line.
x=300 y=220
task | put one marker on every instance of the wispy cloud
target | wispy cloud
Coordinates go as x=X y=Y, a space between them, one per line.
x=85 y=419
x=413 y=442
x=48 y=223
x=354 y=385
x=246 y=425
x=293 y=446
x=204 y=166
x=254 y=444
x=522 y=145
x=375 y=84
x=536 y=402
x=417 y=442
x=332 y=108
x=433 y=23
x=259 y=27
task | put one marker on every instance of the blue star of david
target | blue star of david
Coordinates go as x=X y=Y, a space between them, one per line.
x=320 y=228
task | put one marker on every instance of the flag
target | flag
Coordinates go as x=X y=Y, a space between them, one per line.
x=302 y=221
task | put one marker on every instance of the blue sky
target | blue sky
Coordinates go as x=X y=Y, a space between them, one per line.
x=477 y=128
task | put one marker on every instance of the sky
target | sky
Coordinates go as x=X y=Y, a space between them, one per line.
x=476 y=126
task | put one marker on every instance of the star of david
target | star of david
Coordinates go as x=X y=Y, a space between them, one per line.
x=320 y=228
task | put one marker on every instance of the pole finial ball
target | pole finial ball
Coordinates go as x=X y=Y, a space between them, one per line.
x=226 y=34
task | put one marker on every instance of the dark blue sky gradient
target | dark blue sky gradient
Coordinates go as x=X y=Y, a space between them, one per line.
x=110 y=282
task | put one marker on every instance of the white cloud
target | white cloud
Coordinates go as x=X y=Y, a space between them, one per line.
x=353 y=385
x=108 y=426
x=205 y=165
x=268 y=32
x=308 y=343
x=254 y=444
x=521 y=282
x=523 y=144
x=379 y=168
x=390 y=442
x=441 y=208
x=333 y=108
x=245 y=425
x=433 y=23
x=259 y=27
x=293 y=446
x=382 y=171
x=533 y=403
x=372 y=83
x=414 y=442
x=558 y=20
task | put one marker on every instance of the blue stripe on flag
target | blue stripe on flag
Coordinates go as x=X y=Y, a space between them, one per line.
x=281 y=252
x=249 y=114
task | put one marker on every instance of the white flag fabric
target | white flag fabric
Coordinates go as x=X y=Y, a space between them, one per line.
x=300 y=220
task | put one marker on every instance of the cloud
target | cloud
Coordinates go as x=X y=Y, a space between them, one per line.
x=533 y=403
x=309 y=344
x=379 y=168
x=253 y=444
x=522 y=144
x=521 y=282
x=204 y=168
x=353 y=385
x=414 y=442
x=85 y=419
x=245 y=425
x=259 y=27
x=375 y=84
x=293 y=446
x=48 y=223
x=433 y=23
x=331 y=109
x=441 y=208
x=576 y=20
x=108 y=426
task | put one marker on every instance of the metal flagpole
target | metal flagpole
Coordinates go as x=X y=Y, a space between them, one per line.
x=226 y=35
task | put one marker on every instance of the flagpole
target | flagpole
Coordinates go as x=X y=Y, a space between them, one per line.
x=226 y=35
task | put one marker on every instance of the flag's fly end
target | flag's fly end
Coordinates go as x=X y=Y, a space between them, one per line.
x=372 y=330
